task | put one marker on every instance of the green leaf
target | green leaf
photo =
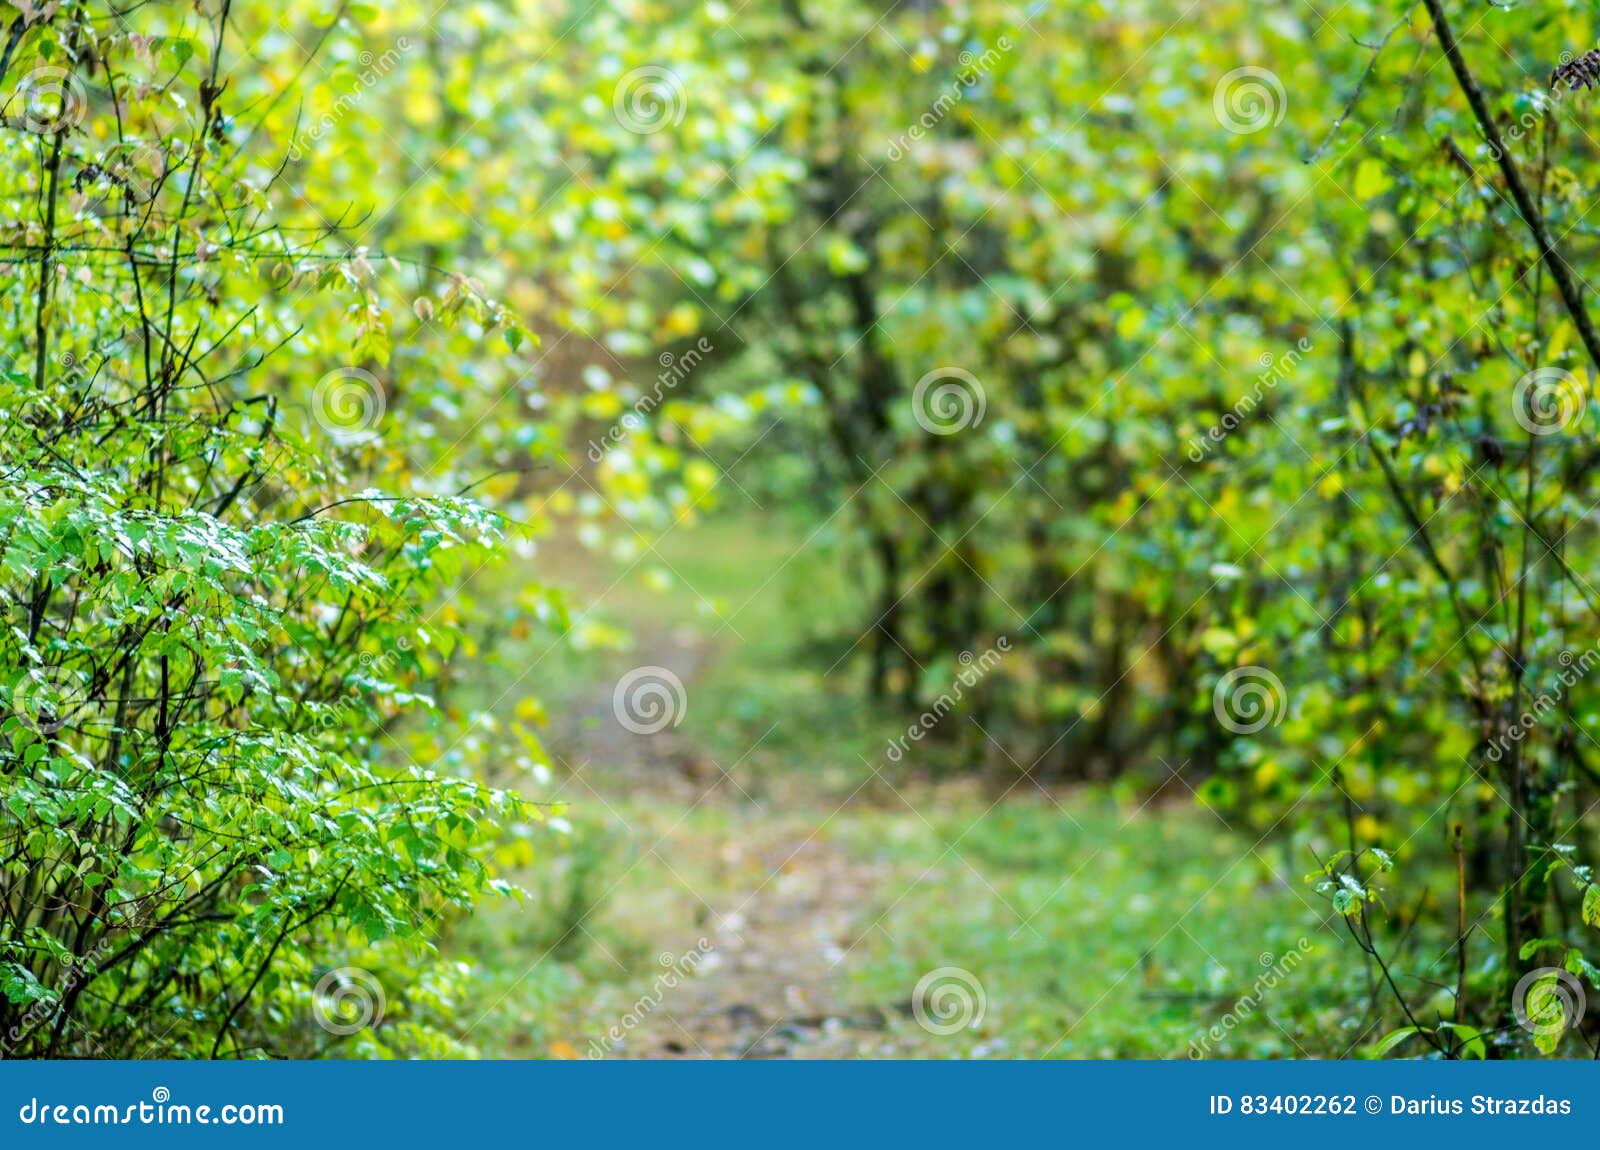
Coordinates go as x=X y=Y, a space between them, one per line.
x=1534 y=945
x=1472 y=1044
x=1393 y=1039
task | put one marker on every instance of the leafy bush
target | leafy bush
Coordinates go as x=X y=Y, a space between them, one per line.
x=213 y=621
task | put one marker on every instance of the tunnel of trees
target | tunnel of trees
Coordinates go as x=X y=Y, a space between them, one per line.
x=1229 y=366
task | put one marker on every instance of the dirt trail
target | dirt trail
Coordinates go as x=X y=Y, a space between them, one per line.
x=770 y=982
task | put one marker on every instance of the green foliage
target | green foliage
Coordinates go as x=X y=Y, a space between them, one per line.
x=220 y=578
x=1224 y=364
x=1233 y=369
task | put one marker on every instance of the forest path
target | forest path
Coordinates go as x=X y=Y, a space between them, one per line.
x=753 y=968
x=834 y=887
x=768 y=986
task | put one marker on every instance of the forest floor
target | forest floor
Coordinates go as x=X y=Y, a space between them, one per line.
x=759 y=881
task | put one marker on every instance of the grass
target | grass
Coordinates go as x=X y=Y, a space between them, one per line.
x=1094 y=926
x=1099 y=932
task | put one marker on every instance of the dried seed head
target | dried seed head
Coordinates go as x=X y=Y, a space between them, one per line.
x=1578 y=73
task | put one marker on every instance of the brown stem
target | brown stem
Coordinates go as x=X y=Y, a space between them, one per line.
x=1566 y=284
x=1461 y=927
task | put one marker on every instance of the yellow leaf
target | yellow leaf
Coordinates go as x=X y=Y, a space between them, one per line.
x=1371 y=180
